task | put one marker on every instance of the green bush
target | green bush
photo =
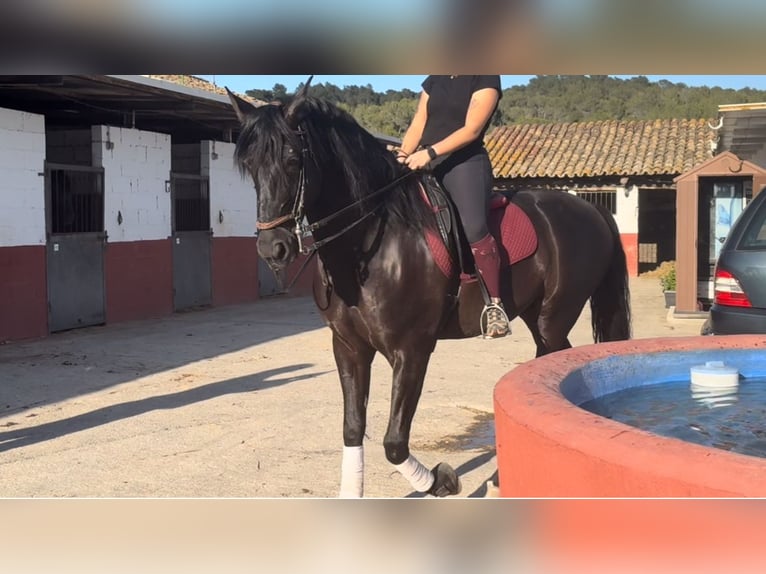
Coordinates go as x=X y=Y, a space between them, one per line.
x=667 y=275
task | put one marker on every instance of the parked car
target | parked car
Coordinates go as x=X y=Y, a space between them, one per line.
x=739 y=304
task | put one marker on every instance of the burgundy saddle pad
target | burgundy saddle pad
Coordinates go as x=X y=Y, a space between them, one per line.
x=513 y=231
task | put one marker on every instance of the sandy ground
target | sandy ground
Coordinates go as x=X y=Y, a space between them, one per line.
x=243 y=402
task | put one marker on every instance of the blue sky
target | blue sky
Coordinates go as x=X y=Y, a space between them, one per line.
x=398 y=82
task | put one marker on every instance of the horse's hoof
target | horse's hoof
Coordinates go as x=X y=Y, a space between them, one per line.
x=446 y=481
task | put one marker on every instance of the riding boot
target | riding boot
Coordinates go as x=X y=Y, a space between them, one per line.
x=487 y=260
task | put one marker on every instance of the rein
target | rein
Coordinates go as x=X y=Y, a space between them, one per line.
x=324 y=221
x=311 y=250
x=298 y=211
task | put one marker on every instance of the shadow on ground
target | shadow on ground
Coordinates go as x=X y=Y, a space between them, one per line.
x=258 y=382
x=81 y=361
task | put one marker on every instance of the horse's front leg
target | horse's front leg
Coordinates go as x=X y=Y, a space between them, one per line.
x=409 y=372
x=353 y=363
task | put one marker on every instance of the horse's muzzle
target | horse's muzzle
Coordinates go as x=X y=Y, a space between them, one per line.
x=278 y=247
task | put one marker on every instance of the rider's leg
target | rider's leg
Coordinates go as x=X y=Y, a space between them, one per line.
x=469 y=184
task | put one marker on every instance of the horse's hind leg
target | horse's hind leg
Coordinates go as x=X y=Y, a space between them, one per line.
x=354 y=370
x=409 y=372
x=550 y=329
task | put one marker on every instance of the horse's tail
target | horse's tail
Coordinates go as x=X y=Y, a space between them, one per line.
x=610 y=302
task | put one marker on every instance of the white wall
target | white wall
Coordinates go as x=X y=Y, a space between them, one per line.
x=627 y=210
x=22 y=187
x=230 y=194
x=136 y=171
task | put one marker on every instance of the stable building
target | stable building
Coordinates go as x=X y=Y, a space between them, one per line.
x=712 y=194
x=119 y=200
x=630 y=167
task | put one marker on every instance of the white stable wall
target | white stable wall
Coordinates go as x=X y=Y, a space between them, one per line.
x=22 y=185
x=231 y=195
x=627 y=210
x=136 y=174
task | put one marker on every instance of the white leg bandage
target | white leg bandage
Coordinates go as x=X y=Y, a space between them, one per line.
x=418 y=475
x=352 y=472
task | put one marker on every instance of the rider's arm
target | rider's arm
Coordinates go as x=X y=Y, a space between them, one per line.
x=480 y=109
x=415 y=130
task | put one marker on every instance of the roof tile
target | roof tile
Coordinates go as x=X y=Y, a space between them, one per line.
x=599 y=148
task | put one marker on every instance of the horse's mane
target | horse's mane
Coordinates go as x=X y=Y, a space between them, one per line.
x=334 y=137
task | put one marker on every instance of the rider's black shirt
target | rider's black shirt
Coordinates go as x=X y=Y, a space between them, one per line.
x=448 y=100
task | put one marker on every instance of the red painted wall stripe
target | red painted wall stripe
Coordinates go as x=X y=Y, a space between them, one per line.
x=630 y=245
x=23 y=293
x=304 y=284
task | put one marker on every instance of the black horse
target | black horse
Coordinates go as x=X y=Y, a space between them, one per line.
x=377 y=284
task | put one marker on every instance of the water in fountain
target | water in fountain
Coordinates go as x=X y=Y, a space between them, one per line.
x=731 y=418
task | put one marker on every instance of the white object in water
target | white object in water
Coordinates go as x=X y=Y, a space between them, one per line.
x=714 y=397
x=714 y=375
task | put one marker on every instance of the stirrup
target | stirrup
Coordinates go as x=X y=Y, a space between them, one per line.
x=494 y=322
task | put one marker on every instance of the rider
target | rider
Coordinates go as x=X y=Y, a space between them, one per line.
x=449 y=126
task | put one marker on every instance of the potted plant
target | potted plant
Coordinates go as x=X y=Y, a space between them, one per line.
x=667 y=275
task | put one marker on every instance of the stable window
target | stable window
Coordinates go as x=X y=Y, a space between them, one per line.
x=191 y=202
x=607 y=199
x=76 y=199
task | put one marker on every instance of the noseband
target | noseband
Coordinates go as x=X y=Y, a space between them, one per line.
x=298 y=212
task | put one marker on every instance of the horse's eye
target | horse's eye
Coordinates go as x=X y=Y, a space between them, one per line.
x=292 y=159
x=289 y=156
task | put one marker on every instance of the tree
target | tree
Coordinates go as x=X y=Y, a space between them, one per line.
x=553 y=98
x=279 y=91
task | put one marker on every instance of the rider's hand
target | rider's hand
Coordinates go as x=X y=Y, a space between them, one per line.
x=418 y=159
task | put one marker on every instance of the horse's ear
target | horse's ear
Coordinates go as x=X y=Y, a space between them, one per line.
x=240 y=105
x=304 y=88
x=292 y=117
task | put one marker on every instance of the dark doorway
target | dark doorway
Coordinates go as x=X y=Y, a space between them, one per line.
x=656 y=227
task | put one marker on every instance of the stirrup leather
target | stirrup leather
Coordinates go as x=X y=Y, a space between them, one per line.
x=494 y=322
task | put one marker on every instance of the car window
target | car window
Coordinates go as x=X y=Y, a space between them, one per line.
x=754 y=236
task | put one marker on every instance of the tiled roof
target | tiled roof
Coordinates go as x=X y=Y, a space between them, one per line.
x=198 y=83
x=189 y=81
x=600 y=148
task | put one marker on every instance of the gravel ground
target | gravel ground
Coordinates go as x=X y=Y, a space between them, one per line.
x=243 y=401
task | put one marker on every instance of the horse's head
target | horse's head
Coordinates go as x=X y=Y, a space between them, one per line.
x=273 y=150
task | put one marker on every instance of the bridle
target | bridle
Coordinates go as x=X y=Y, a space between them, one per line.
x=298 y=213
